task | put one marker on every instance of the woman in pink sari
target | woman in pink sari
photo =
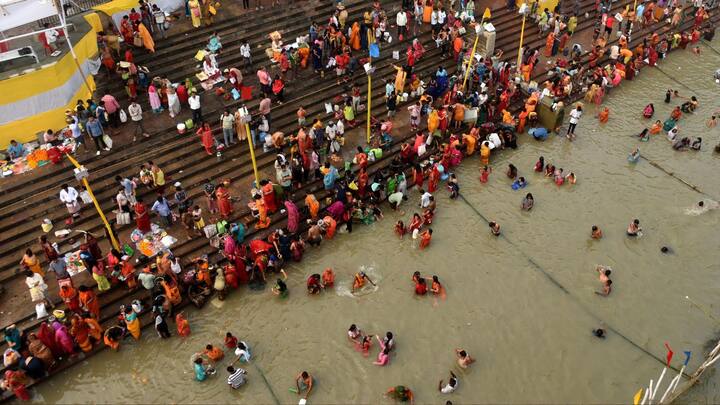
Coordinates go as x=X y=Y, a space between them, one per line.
x=46 y=334
x=154 y=97
x=293 y=216
x=229 y=246
x=63 y=338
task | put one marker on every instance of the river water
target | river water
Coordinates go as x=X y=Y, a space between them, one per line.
x=523 y=304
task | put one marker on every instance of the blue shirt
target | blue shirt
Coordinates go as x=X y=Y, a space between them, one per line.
x=15 y=151
x=162 y=208
x=200 y=374
x=539 y=133
x=94 y=128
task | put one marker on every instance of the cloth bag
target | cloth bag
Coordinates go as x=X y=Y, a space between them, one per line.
x=210 y=230
x=123 y=218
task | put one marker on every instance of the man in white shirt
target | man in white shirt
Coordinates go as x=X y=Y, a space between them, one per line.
x=135 y=111
x=434 y=23
x=401 y=21
x=247 y=56
x=195 y=107
x=69 y=196
x=575 y=115
x=425 y=199
x=451 y=385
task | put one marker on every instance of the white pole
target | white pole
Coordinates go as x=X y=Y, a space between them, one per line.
x=61 y=16
x=657 y=385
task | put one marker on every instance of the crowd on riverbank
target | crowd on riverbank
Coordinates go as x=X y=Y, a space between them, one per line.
x=456 y=124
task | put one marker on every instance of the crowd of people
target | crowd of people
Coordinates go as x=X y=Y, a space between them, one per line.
x=353 y=192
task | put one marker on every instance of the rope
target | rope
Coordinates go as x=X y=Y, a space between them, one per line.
x=267 y=383
x=565 y=290
x=674 y=79
x=672 y=174
x=708 y=45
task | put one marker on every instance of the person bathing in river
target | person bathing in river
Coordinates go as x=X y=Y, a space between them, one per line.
x=634 y=228
x=596 y=232
x=359 y=281
x=604 y=276
x=464 y=360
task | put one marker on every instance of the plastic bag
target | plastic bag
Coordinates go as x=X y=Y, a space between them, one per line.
x=123 y=116
x=40 y=310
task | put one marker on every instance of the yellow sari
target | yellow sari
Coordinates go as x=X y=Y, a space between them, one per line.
x=147 y=39
x=195 y=13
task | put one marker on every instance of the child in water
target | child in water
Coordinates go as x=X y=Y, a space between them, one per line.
x=644 y=135
x=485 y=174
x=453 y=186
x=596 y=232
x=494 y=228
x=280 y=287
x=539 y=165
x=634 y=228
x=400 y=229
x=634 y=156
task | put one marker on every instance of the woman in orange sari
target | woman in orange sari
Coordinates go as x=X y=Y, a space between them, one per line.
x=313 y=206
x=223 y=200
x=549 y=44
x=147 y=39
x=89 y=301
x=268 y=195
x=263 y=220
x=183 y=326
x=31 y=261
x=80 y=333
x=355 y=36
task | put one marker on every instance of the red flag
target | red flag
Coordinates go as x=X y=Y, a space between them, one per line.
x=669 y=354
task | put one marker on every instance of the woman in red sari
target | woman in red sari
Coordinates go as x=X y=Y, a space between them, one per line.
x=223 y=200
x=126 y=30
x=206 y=137
x=268 y=195
x=362 y=182
x=142 y=217
x=433 y=179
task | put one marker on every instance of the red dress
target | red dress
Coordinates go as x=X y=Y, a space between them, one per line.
x=142 y=217
x=224 y=203
x=269 y=197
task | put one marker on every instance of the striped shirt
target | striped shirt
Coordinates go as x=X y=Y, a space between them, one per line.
x=237 y=378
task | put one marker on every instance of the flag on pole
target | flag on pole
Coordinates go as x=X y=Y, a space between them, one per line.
x=687 y=357
x=637 y=397
x=669 y=354
x=486 y=13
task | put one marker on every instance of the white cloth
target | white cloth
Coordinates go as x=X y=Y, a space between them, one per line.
x=447 y=389
x=69 y=196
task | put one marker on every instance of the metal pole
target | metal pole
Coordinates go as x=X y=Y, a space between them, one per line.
x=369 y=103
x=252 y=154
x=114 y=241
x=467 y=67
x=522 y=34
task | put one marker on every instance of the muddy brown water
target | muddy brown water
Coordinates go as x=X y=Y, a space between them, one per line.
x=523 y=305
